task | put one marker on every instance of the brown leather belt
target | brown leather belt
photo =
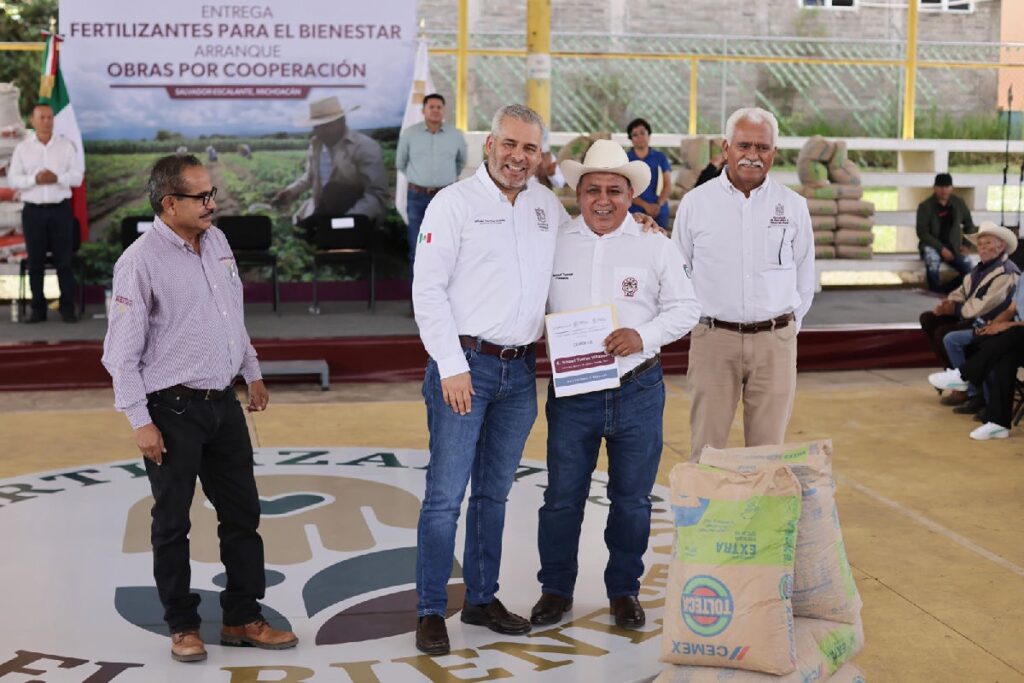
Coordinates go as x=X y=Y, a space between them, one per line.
x=502 y=352
x=750 y=328
x=429 y=191
x=188 y=392
x=643 y=367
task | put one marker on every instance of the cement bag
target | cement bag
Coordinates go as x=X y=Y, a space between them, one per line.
x=823 y=223
x=817 y=148
x=694 y=153
x=845 y=221
x=850 y=251
x=715 y=146
x=823 y=649
x=838 y=157
x=686 y=179
x=731 y=575
x=848 y=674
x=575 y=149
x=857 y=207
x=847 y=174
x=825 y=251
x=811 y=173
x=822 y=192
x=824 y=237
x=848 y=191
x=10 y=116
x=823 y=586
x=862 y=238
x=822 y=207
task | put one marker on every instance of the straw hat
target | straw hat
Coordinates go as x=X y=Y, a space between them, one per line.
x=324 y=111
x=1009 y=237
x=605 y=156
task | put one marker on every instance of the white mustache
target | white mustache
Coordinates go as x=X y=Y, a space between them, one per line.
x=756 y=163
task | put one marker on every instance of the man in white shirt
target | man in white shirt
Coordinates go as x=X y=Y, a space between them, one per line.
x=603 y=257
x=482 y=268
x=748 y=246
x=44 y=168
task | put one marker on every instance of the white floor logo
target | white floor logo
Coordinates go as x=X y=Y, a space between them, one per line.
x=339 y=526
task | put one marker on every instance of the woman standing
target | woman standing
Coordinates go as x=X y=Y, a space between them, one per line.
x=650 y=201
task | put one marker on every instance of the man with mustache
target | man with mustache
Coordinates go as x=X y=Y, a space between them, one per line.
x=747 y=243
x=175 y=341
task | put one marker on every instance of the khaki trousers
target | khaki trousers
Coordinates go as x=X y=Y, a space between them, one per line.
x=726 y=365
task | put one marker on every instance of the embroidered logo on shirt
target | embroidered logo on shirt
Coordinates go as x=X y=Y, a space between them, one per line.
x=121 y=304
x=780 y=215
x=542 y=219
x=561 y=276
x=123 y=300
x=424 y=238
x=630 y=287
x=489 y=221
x=229 y=263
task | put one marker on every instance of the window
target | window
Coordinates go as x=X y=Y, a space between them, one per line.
x=947 y=5
x=831 y=4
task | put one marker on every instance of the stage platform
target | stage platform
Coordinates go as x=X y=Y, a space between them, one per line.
x=845 y=330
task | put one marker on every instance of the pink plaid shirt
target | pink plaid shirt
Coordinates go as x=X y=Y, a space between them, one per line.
x=175 y=318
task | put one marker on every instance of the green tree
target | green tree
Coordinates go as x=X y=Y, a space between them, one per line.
x=23 y=21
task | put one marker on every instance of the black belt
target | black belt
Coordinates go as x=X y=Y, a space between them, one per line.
x=502 y=352
x=188 y=392
x=750 y=328
x=52 y=205
x=429 y=191
x=643 y=367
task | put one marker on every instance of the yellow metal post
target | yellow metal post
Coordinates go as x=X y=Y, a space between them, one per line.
x=538 y=57
x=910 y=67
x=462 y=69
x=693 y=96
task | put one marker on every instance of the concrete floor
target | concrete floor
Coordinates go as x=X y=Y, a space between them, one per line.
x=932 y=520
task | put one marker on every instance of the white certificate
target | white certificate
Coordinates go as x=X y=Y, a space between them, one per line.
x=575 y=339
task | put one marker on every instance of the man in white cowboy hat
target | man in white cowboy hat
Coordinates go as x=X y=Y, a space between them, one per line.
x=747 y=242
x=344 y=168
x=604 y=257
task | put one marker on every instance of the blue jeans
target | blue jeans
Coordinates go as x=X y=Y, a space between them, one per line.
x=955 y=342
x=932 y=262
x=630 y=421
x=416 y=206
x=487 y=445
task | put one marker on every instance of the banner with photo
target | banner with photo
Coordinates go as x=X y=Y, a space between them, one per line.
x=294 y=106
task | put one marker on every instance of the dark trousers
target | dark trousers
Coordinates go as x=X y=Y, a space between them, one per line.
x=936 y=327
x=49 y=228
x=995 y=360
x=415 y=207
x=208 y=439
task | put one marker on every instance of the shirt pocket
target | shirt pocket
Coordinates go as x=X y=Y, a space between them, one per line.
x=778 y=247
x=630 y=283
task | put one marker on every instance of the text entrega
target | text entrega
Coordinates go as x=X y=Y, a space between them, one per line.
x=575 y=339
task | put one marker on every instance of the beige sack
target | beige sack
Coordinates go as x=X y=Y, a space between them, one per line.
x=811 y=173
x=849 y=673
x=845 y=221
x=727 y=601
x=822 y=207
x=824 y=237
x=847 y=174
x=848 y=191
x=823 y=651
x=857 y=207
x=694 y=153
x=575 y=149
x=686 y=179
x=823 y=251
x=863 y=238
x=850 y=251
x=823 y=223
x=819 y=192
x=817 y=148
x=839 y=156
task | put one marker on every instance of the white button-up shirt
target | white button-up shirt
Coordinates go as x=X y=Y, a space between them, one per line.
x=482 y=267
x=639 y=273
x=31 y=156
x=751 y=258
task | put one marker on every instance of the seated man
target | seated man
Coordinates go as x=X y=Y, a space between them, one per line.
x=985 y=293
x=942 y=221
x=603 y=257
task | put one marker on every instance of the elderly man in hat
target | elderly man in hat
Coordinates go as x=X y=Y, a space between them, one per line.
x=344 y=168
x=985 y=297
x=604 y=257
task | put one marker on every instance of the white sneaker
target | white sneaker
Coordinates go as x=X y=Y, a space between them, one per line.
x=990 y=430
x=947 y=380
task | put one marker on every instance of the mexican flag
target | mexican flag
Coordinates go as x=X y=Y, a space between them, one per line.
x=422 y=85
x=53 y=92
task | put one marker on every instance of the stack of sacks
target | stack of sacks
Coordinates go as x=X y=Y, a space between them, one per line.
x=824 y=597
x=12 y=131
x=831 y=182
x=694 y=155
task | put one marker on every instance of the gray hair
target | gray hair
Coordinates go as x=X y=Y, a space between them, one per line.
x=754 y=115
x=166 y=178
x=516 y=111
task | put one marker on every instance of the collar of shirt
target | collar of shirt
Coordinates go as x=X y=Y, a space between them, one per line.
x=492 y=187
x=165 y=232
x=629 y=226
x=723 y=178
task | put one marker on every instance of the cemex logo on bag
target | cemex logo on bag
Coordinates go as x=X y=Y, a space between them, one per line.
x=706 y=605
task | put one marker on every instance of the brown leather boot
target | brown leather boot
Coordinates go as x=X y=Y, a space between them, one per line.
x=187 y=646
x=258 y=634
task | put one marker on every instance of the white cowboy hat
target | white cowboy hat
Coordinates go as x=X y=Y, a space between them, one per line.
x=605 y=156
x=1009 y=237
x=324 y=111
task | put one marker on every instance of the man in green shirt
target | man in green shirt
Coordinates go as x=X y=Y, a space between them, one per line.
x=431 y=154
x=942 y=221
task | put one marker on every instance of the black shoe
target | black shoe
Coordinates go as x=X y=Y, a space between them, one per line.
x=971 y=406
x=981 y=417
x=69 y=317
x=494 y=616
x=627 y=612
x=432 y=635
x=36 y=317
x=549 y=609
